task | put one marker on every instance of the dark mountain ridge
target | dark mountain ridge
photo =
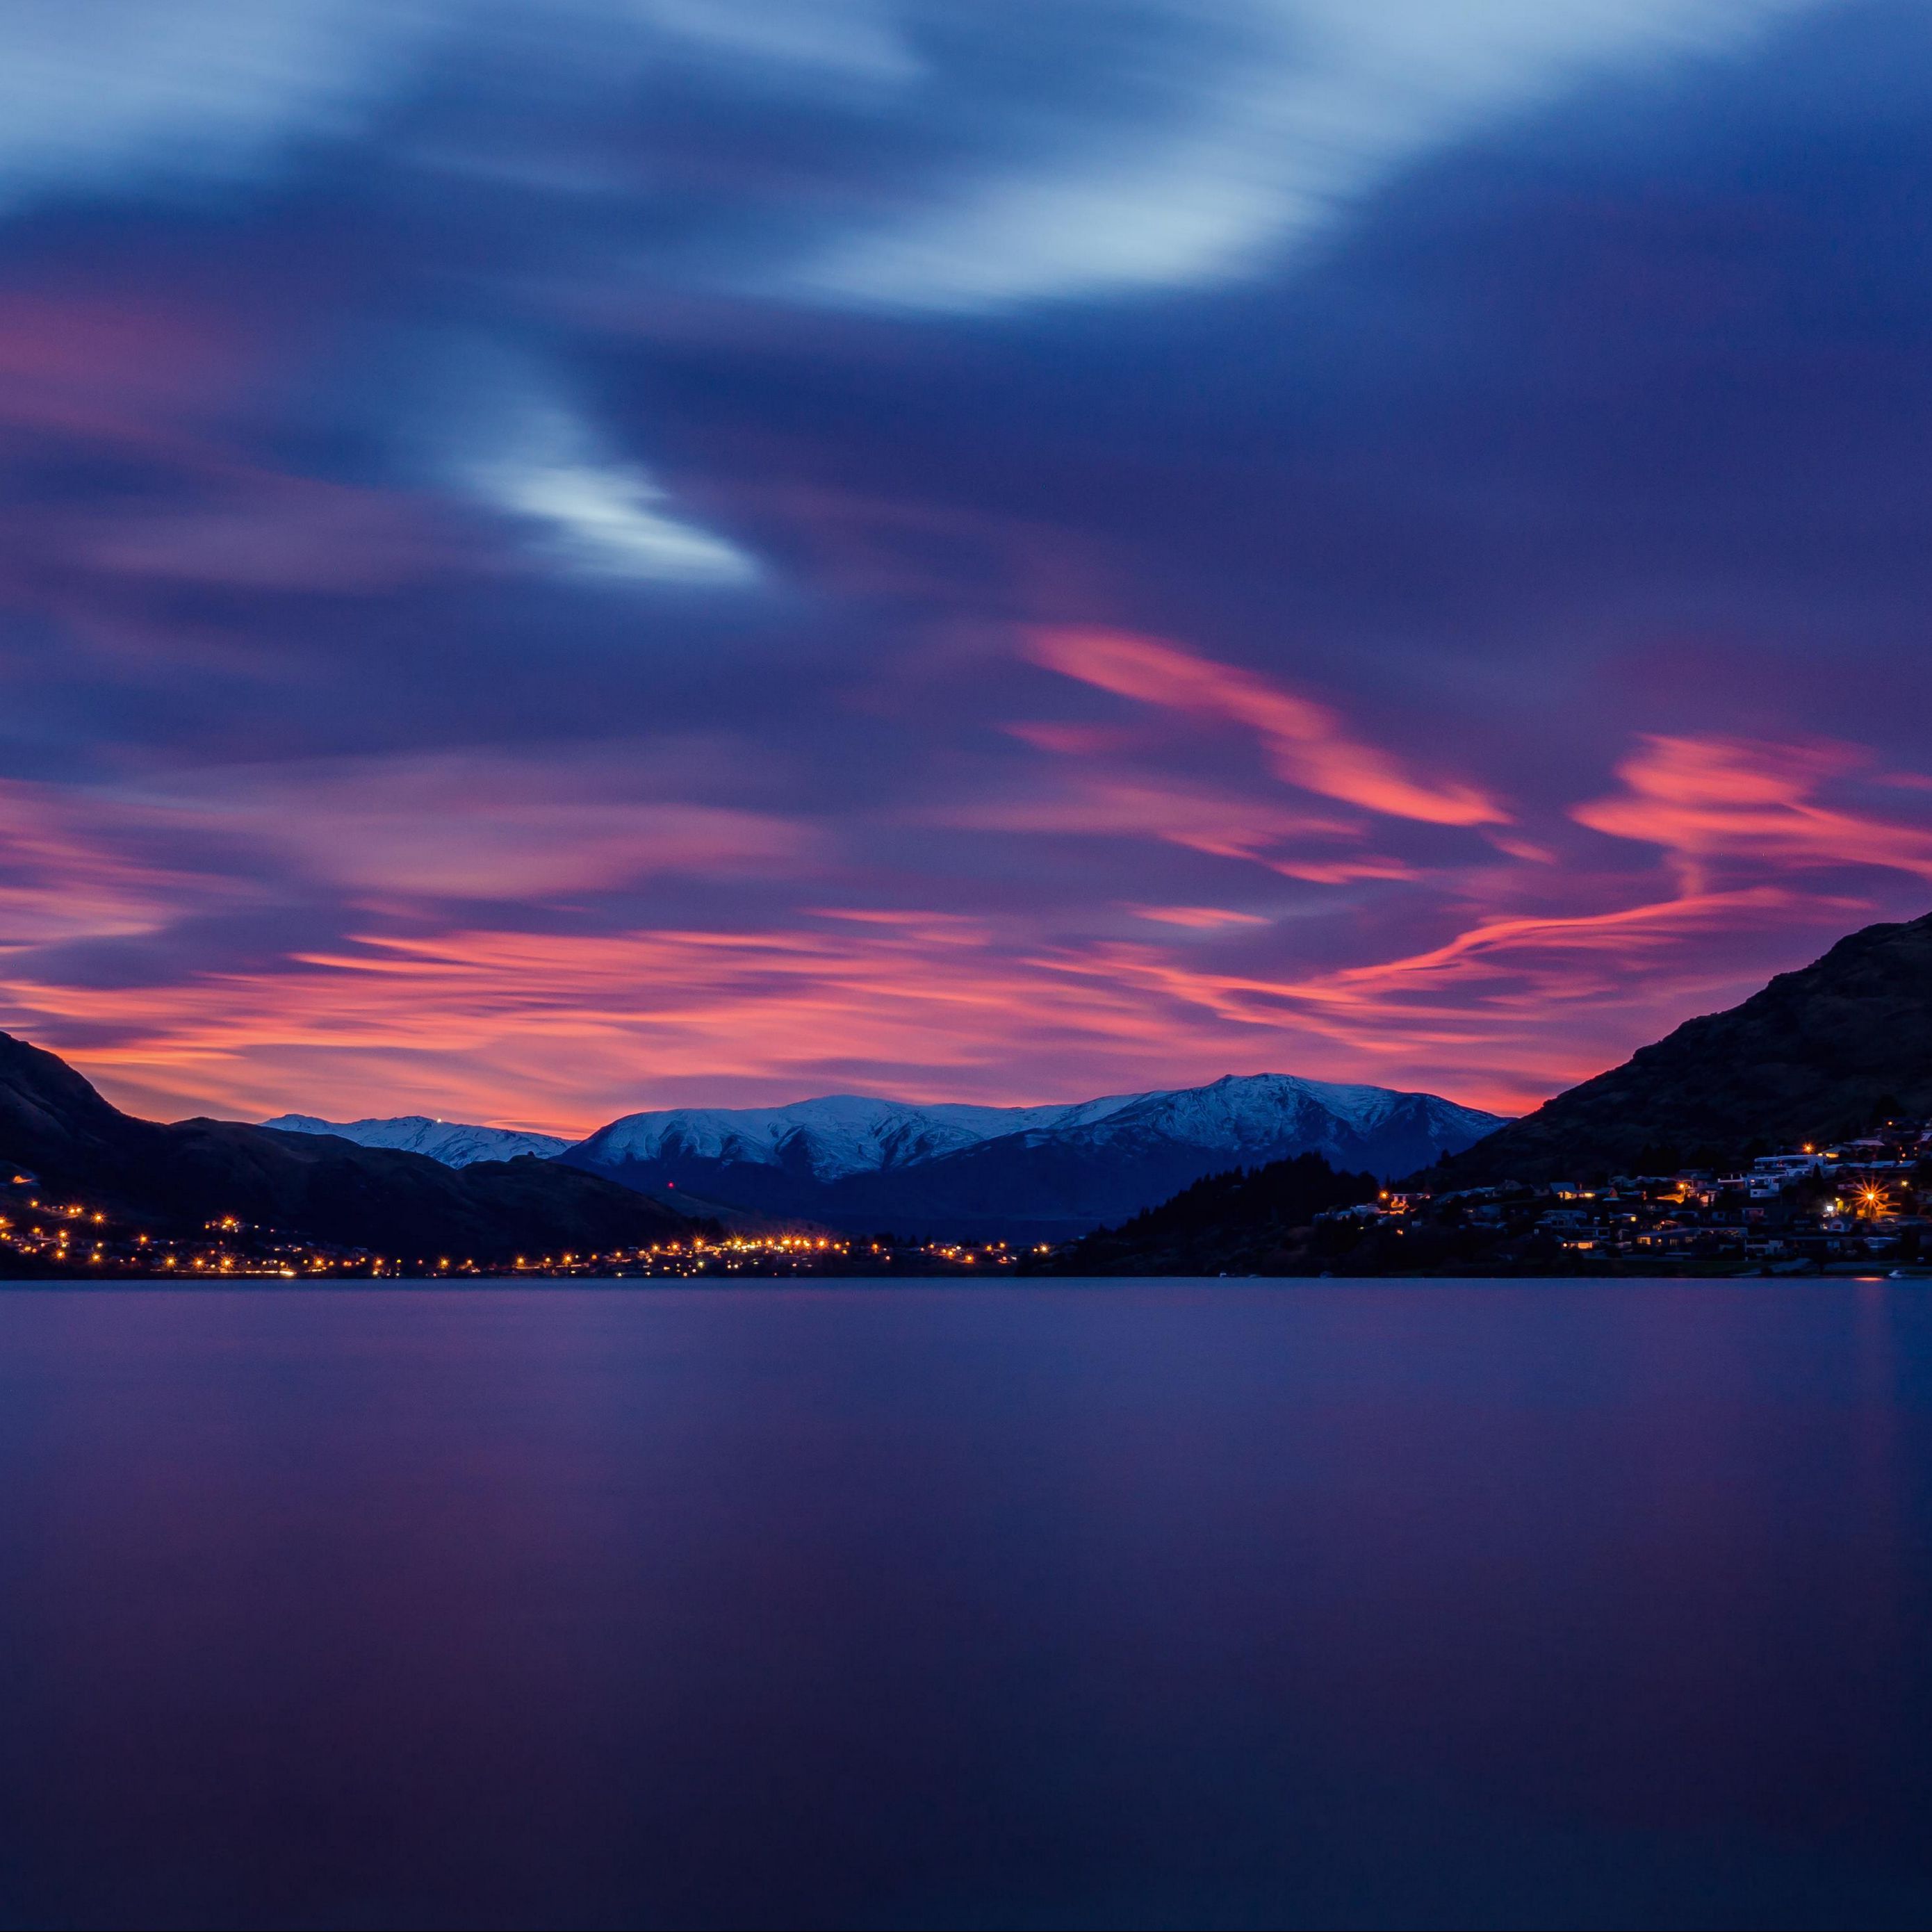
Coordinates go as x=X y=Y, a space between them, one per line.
x=1818 y=1054
x=1053 y=1179
x=53 y=1123
x=1045 y=1185
x=1246 y=1221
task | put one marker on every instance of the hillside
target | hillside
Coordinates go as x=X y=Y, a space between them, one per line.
x=1048 y=1184
x=53 y=1123
x=1819 y=1053
x=1248 y=1221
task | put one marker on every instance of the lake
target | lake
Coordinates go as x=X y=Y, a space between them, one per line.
x=1235 y=1604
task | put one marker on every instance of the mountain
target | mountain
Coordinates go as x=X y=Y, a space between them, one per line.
x=54 y=1124
x=817 y=1141
x=1819 y=1053
x=1031 y=1173
x=1248 y=1221
x=450 y=1142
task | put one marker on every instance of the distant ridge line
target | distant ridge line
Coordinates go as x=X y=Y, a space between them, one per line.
x=1048 y=1171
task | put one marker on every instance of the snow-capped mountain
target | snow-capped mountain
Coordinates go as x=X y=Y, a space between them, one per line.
x=1036 y=1171
x=452 y=1142
x=1243 y=1115
x=1025 y=1172
x=821 y=1141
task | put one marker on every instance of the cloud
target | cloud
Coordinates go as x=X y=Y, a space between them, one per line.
x=1708 y=800
x=307 y=470
x=1504 y=1012
x=564 y=1031
x=1623 y=933
x=262 y=532
x=1307 y=744
x=1274 y=116
x=465 y=825
x=596 y=516
x=426 y=827
x=1197 y=818
x=64 y=874
x=92 y=91
x=841 y=39
x=1091 y=152
x=1197 y=919
x=604 y=520
x=96 y=93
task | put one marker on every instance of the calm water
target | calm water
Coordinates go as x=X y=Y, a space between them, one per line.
x=1239 y=1605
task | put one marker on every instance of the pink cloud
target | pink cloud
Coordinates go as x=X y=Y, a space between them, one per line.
x=1073 y=741
x=1308 y=745
x=452 y=826
x=106 y=366
x=1506 y=1011
x=1496 y=983
x=74 y=864
x=1198 y=818
x=562 y=1030
x=264 y=531
x=145 y=377
x=1709 y=799
x=1342 y=871
x=1197 y=919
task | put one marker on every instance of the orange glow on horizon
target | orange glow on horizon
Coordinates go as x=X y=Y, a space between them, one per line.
x=558 y=1033
x=1534 y=974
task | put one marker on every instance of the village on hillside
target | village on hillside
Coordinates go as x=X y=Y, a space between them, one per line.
x=1845 y=1207
x=45 y=1233
x=1855 y=1206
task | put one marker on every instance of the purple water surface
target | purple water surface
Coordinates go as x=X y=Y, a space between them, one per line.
x=1164 y=1604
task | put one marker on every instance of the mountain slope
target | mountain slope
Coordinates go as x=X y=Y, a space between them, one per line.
x=1818 y=1054
x=817 y=1141
x=1248 y=1221
x=53 y=1123
x=1043 y=1172
x=452 y=1142
x=1049 y=1183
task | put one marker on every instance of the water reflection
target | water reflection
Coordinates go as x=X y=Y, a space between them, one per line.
x=1157 y=1605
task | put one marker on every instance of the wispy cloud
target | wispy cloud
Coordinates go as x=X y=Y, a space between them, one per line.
x=93 y=92
x=1197 y=919
x=1307 y=744
x=1507 y=1010
x=408 y=413
x=1710 y=800
x=427 y=826
x=564 y=1031
x=601 y=518
x=1270 y=117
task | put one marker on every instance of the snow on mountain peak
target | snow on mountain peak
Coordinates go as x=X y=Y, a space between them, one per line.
x=455 y=1143
x=1243 y=1117
x=845 y=1134
x=829 y=1137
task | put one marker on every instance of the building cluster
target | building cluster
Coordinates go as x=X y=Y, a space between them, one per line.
x=1855 y=1206
x=1858 y=1206
x=758 y=1257
x=43 y=1233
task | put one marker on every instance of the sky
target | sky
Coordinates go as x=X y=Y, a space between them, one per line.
x=563 y=558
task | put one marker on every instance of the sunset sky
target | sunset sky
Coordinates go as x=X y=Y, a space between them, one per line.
x=570 y=557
